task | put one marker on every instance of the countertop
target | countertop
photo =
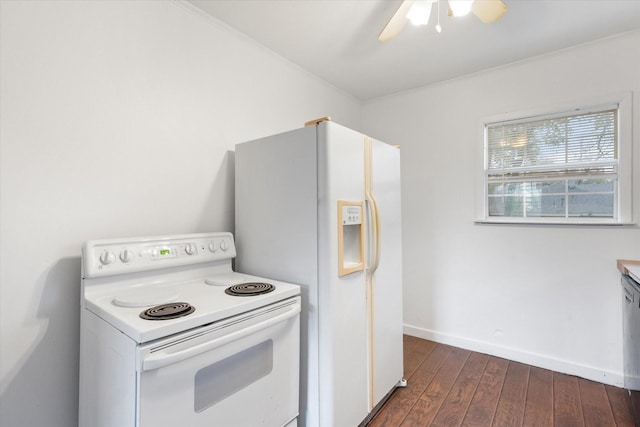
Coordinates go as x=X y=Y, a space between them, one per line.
x=630 y=268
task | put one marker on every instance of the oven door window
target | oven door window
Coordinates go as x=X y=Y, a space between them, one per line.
x=222 y=379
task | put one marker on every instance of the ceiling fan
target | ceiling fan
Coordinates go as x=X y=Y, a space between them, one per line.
x=418 y=11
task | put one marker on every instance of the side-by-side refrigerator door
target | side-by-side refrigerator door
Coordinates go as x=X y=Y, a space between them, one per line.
x=387 y=278
x=341 y=286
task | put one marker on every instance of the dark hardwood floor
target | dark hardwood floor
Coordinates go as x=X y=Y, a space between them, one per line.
x=449 y=386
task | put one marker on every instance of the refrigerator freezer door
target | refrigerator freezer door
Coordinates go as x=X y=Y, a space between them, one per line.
x=343 y=373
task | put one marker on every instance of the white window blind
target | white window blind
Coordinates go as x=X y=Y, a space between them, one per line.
x=560 y=167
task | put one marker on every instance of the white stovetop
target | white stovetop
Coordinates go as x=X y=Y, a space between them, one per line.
x=210 y=301
x=124 y=277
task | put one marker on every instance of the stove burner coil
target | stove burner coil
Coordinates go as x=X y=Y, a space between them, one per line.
x=249 y=289
x=172 y=310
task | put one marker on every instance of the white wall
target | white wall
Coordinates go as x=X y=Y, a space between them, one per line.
x=546 y=295
x=118 y=118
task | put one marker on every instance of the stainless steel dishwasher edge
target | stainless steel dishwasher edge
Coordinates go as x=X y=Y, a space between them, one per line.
x=631 y=340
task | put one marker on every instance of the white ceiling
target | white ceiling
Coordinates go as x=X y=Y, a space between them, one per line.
x=337 y=39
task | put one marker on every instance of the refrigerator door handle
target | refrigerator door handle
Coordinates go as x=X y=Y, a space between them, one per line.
x=374 y=227
x=375 y=234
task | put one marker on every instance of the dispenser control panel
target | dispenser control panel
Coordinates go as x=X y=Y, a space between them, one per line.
x=351 y=215
x=350 y=237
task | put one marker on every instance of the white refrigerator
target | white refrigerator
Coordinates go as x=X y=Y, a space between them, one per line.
x=320 y=206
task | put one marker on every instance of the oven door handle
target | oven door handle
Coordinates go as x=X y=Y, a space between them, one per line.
x=162 y=359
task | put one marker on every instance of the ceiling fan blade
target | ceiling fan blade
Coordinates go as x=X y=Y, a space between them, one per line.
x=396 y=23
x=488 y=11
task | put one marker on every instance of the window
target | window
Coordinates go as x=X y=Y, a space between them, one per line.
x=559 y=168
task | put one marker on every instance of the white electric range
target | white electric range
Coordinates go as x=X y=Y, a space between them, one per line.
x=170 y=334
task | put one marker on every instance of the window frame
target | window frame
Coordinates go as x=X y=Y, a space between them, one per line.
x=623 y=213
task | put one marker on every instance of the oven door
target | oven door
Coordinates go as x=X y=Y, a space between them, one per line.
x=242 y=371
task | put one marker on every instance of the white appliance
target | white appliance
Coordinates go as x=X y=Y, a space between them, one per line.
x=320 y=206
x=171 y=335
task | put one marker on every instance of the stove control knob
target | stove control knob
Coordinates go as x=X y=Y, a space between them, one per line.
x=107 y=258
x=190 y=249
x=213 y=247
x=126 y=255
x=224 y=245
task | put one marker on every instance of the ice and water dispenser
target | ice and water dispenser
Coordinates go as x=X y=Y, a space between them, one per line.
x=350 y=237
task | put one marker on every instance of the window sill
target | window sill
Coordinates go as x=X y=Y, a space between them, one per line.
x=531 y=221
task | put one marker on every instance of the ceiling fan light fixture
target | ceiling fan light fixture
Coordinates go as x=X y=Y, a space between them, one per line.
x=420 y=12
x=489 y=11
x=460 y=7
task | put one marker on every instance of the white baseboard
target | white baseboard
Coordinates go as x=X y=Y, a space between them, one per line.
x=534 y=359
